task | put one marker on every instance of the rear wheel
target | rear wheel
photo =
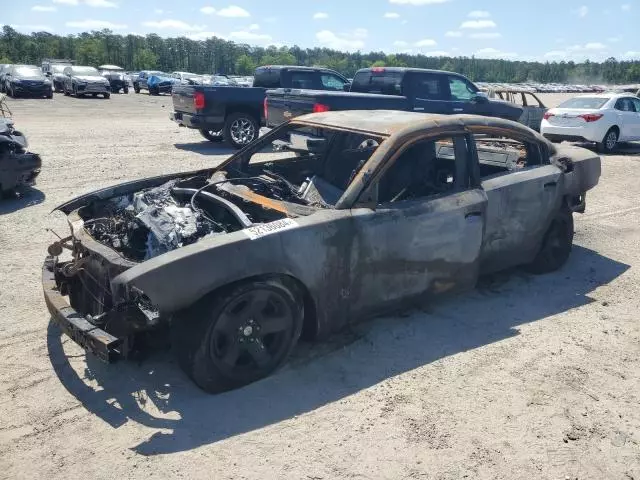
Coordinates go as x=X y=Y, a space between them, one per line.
x=609 y=142
x=234 y=338
x=136 y=88
x=240 y=129
x=212 y=136
x=556 y=245
x=107 y=95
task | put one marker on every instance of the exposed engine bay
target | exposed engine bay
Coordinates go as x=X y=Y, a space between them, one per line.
x=156 y=220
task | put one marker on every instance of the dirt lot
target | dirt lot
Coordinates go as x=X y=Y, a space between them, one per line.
x=526 y=377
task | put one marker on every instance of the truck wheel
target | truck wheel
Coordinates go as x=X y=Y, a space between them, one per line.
x=240 y=129
x=556 y=244
x=609 y=141
x=234 y=338
x=212 y=136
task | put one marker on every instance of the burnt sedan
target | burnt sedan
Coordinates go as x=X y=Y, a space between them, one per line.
x=328 y=218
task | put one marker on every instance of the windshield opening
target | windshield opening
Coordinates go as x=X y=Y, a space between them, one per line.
x=305 y=165
x=28 y=71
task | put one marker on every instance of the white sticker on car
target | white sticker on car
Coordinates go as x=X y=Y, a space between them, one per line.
x=264 y=229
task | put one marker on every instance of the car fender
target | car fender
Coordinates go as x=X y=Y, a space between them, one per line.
x=315 y=250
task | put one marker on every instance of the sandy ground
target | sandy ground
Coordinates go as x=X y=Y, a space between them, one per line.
x=524 y=378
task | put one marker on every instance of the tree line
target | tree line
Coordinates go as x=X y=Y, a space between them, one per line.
x=216 y=55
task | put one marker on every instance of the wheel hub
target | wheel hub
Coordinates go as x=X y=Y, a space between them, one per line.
x=247 y=331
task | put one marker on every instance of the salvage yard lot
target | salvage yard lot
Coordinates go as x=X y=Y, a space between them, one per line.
x=525 y=377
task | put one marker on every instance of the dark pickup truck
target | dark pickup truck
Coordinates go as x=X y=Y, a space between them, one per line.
x=235 y=114
x=381 y=88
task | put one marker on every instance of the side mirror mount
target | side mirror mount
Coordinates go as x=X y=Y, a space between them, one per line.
x=481 y=97
x=346 y=87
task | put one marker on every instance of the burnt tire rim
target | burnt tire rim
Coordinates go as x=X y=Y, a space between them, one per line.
x=611 y=140
x=242 y=131
x=252 y=333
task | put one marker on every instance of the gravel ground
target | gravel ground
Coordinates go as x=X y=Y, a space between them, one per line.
x=525 y=377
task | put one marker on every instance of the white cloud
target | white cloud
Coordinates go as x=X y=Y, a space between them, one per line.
x=595 y=46
x=96 y=25
x=400 y=43
x=348 y=42
x=626 y=7
x=494 y=53
x=43 y=8
x=203 y=35
x=438 y=53
x=485 y=35
x=101 y=3
x=555 y=53
x=233 y=11
x=478 y=24
x=632 y=55
x=479 y=14
x=583 y=11
x=320 y=16
x=158 y=11
x=614 y=39
x=417 y=2
x=32 y=28
x=208 y=10
x=453 y=34
x=66 y=2
x=254 y=26
x=391 y=15
x=170 y=24
x=427 y=42
x=250 y=37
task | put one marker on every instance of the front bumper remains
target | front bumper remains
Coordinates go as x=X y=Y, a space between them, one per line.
x=93 y=339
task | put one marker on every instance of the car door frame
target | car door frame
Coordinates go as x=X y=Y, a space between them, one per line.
x=514 y=227
x=626 y=120
x=636 y=103
x=461 y=106
x=427 y=105
x=456 y=218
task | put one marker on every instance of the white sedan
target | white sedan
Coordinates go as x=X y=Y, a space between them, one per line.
x=605 y=119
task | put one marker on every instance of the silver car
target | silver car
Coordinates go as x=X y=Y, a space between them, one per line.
x=81 y=81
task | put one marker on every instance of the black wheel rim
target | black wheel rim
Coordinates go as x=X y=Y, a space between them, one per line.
x=252 y=333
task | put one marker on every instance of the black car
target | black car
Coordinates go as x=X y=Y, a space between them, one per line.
x=56 y=74
x=116 y=76
x=27 y=80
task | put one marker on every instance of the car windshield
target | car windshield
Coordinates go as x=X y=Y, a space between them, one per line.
x=587 y=103
x=84 y=71
x=28 y=71
x=58 y=68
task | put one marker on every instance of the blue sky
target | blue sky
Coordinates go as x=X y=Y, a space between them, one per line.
x=551 y=30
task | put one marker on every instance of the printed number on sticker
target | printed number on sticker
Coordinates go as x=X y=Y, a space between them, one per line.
x=258 y=231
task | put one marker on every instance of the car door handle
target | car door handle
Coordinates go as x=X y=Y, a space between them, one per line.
x=550 y=185
x=458 y=109
x=472 y=215
x=418 y=109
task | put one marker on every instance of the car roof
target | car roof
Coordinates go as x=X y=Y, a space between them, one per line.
x=408 y=70
x=388 y=122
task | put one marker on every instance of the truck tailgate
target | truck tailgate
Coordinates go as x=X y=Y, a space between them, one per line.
x=182 y=96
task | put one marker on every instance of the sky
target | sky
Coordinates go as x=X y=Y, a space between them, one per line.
x=544 y=30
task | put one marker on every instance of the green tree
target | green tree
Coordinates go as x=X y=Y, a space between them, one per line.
x=245 y=65
x=145 y=60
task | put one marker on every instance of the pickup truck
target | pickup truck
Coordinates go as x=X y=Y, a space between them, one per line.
x=409 y=89
x=235 y=114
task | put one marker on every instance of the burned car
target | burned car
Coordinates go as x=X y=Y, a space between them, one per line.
x=117 y=78
x=18 y=166
x=533 y=109
x=326 y=219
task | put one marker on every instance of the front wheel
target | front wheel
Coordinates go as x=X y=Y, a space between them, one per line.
x=125 y=89
x=107 y=95
x=556 y=244
x=212 y=136
x=136 y=88
x=240 y=129
x=234 y=338
x=609 y=141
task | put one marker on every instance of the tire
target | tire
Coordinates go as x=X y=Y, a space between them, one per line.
x=240 y=129
x=556 y=244
x=125 y=89
x=220 y=341
x=610 y=141
x=94 y=95
x=136 y=88
x=50 y=95
x=153 y=91
x=107 y=96
x=215 y=137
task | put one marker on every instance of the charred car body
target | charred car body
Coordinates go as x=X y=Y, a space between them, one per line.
x=18 y=167
x=328 y=218
x=116 y=76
